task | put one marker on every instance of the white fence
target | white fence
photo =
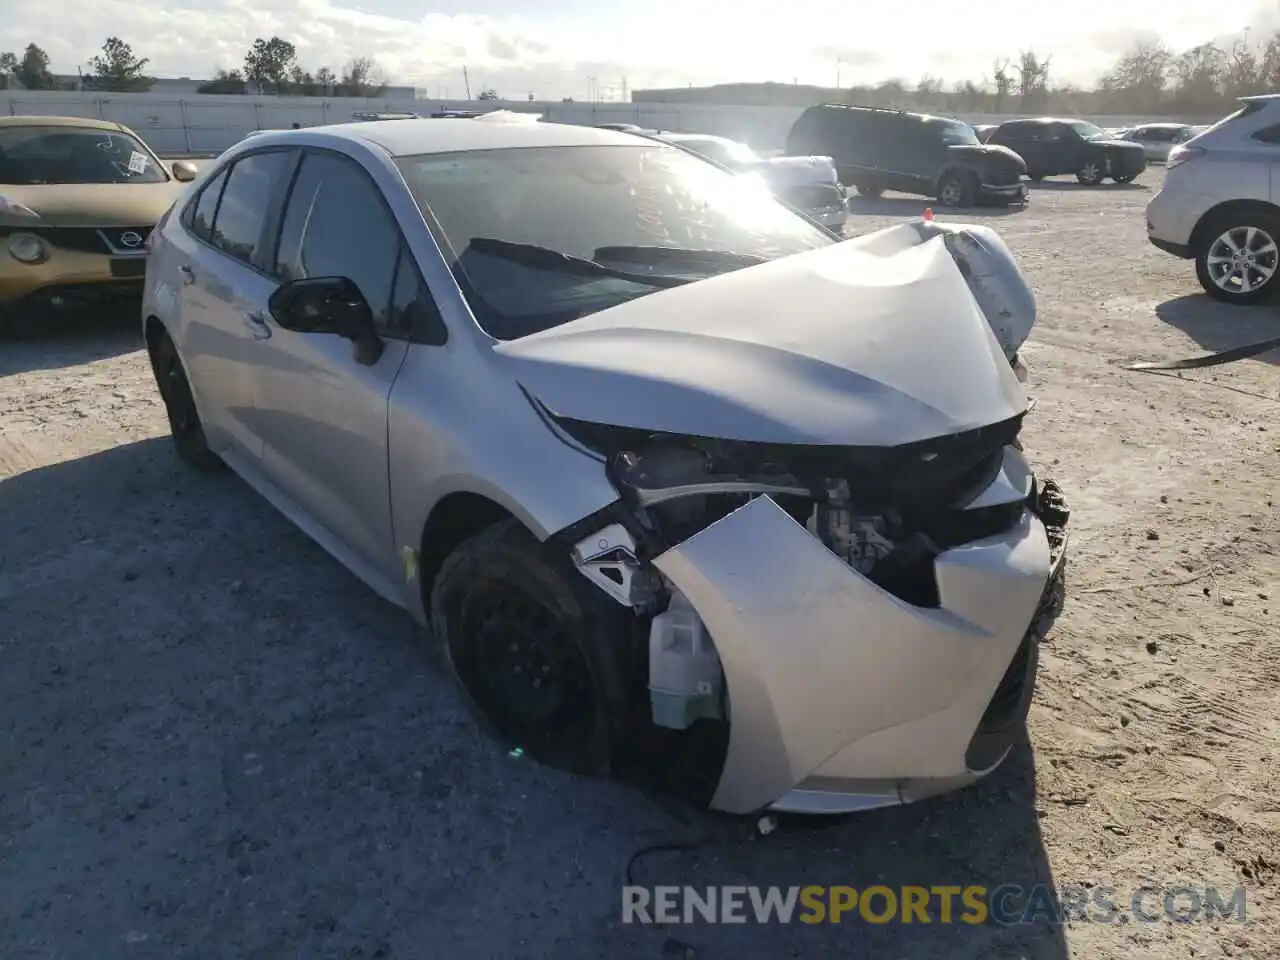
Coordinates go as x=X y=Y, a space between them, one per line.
x=208 y=123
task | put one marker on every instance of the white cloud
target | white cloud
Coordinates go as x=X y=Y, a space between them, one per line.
x=657 y=42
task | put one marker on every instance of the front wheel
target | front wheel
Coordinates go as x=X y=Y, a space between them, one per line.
x=539 y=652
x=957 y=190
x=180 y=406
x=1239 y=261
x=868 y=190
x=1092 y=173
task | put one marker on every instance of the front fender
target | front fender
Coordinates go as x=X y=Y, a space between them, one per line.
x=446 y=435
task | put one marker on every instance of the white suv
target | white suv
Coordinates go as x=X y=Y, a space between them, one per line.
x=1220 y=203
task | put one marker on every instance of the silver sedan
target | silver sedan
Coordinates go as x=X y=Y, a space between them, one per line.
x=659 y=462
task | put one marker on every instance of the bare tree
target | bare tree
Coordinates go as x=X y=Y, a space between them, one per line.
x=1002 y=80
x=1033 y=81
x=362 y=77
x=1199 y=77
x=1269 y=69
x=1240 y=71
x=928 y=91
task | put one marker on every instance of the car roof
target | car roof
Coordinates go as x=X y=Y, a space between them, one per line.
x=84 y=123
x=686 y=137
x=406 y=138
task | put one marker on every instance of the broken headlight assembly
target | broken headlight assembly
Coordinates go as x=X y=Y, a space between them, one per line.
x=885 y=511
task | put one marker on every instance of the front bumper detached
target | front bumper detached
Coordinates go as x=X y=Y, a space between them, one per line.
x=843 y=697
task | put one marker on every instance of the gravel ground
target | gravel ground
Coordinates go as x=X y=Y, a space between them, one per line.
x=218 y=744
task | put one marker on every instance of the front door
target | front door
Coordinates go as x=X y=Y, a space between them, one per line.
x=323 y=415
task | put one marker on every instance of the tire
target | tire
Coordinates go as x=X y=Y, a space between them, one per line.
x=957 y=190
x=18 y=324
x=1257 y=237
x=1092 y=173
x=505 y=611
x=868 y=190
x=180 y=407
x=1127 y=178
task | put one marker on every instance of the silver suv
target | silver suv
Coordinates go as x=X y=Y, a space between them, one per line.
x=1220 y=203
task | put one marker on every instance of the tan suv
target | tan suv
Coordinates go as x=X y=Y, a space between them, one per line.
x=1220 y=203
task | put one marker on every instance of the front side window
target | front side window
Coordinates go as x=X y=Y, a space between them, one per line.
x=956 y=134
x=1086 y=130
x=37 y=155
x=336 y=225
x=252 y=184
x=540 y=236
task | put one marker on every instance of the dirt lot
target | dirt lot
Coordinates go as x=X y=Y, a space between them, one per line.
x=216 y=743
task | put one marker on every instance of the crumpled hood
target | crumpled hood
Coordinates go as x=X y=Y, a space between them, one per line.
x=93 y=204
x=833 y=346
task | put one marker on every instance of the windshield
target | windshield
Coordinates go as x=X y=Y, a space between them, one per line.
x=563 y=232
x=725 y=152
x=1087 y=130
x=958 y=134
x=43 y=155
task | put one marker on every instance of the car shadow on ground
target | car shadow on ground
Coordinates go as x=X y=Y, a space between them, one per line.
x=235 y=748
x=900 y=206
x=1217 y=326
x=1073 y=185
x=71 y=340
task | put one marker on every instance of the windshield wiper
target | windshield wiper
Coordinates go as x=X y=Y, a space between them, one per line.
x=545 y=258
x=684 y=256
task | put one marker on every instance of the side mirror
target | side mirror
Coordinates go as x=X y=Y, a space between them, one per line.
x=328 y=305
x=184 y=171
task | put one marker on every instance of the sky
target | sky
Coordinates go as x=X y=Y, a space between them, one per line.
x=581 y=48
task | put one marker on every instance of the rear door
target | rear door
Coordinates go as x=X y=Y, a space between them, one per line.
x=1066 y=150
x=223 y=293
x=323 y=415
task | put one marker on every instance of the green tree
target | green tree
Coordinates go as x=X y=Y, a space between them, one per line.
x=116 y=68
x=33 y=70
x=326 y=81
x=1137 y=81
x=268 y=64
x=488 y=93
x=225 y=81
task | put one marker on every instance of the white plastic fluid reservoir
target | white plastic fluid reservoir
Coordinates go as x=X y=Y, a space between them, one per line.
x=685 y=678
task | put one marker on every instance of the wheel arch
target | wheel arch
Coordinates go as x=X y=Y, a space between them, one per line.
x=1230 y=208
x=455 y=518
x=957 y=169
x=153 y=329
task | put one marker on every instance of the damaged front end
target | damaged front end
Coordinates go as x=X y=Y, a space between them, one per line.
x=862 y=622
x=826 y=523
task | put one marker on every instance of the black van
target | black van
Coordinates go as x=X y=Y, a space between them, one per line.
x=878 y=149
